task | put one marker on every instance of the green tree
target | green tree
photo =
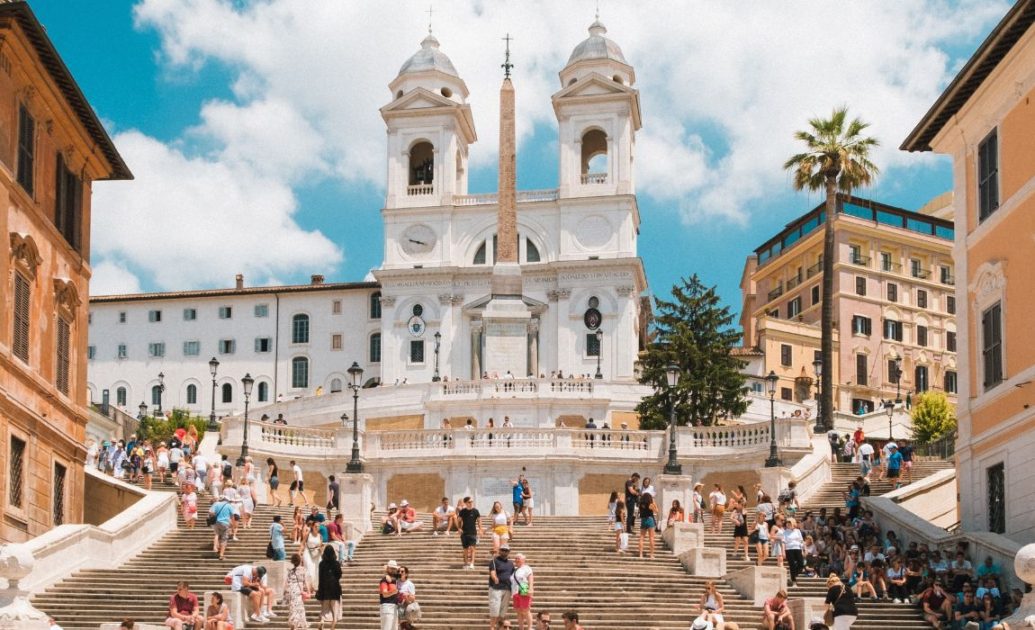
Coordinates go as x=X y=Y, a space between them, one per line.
x=836 y=157
x=933 y=417
x=159 y=429
x=694 y=332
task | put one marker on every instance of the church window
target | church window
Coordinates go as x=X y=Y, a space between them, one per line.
x=335 y=385
x=192 y=394
x=594 y=157
x=375 y=305
x=422 y=164
x=418 y=310
x=479 y=256
x=375 y=348
x=300 y=328
x=592 y=345
x=594 y=302
x=120 y=396
x=446 y=92
x=264 y=391
x=156 y=395
x=299 y=372
x=228 y=393
x=531 y=251
x=416 y=351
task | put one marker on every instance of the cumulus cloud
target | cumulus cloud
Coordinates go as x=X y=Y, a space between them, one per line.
x=110 y=277
x=723 y=89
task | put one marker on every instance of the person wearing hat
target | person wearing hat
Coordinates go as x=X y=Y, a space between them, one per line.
x=388 y=591
x=501 y=570
x=250 y=581
x=221 y=514
x=702 y=624
x=408 y=518
x=841 y=603
x=894 y=464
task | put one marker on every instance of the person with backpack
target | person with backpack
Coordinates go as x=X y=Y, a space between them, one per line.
x=220 y=517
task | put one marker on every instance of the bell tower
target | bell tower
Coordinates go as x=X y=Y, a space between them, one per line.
x=598 y=114
x=430 y=128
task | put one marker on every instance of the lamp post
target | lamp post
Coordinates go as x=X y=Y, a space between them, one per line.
x=161 y=390
x=673 y=467
x=142 y=410
x=821 y=427
x=770 y=384
x=889 y=407
x=600 y=352
x=897 y=376
x=213 y=367
x=246 y=384
x=356 y=372
x=438 y=342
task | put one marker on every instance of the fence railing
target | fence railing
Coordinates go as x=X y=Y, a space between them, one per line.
x=302 y=437
x=943 y=448
x=514 y=387
x=419 y=190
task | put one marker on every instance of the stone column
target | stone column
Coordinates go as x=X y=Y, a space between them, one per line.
x=507 y=221
x=476 y=349
x=533 y=347
x=357 y=494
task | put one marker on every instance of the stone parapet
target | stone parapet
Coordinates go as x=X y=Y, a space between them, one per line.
x=235 y=602
x=758 y=583
x=707 y=562
x=682 y=537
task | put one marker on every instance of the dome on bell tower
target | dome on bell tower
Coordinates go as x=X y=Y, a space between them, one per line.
x=597 y=46
x=429 y=57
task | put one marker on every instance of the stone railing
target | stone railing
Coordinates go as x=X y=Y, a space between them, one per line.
x=594 y=178
x=419 y=190
x=513 y=388
x=300 y=437
x=523 y=196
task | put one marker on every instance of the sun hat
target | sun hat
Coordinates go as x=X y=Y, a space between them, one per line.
x=392 y=506
x=504 y=547
x=392 y=564
x=404 y=503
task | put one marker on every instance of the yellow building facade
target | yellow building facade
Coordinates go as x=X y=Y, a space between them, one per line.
x=52 y=147
x=985 y=121
x=895 y=303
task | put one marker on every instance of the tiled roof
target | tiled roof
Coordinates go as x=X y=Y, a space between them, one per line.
x=209 y=293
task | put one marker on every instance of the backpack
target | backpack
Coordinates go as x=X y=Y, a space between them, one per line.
x=228 y=469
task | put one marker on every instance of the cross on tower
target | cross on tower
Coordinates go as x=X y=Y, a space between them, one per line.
x=430 y=12
x=506 y=62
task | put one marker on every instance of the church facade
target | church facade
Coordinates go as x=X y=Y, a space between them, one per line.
x=510 y=284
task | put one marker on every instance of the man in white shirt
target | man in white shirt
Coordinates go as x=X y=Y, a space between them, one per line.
x=201 y=468
x=443 y=518
x=297 y=484
x=251 y=582
x=865 y=459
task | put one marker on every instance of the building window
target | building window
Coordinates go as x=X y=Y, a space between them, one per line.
x=336 y=341
x=123 y=352
x=263 y=344
x=855 y=255
x=336 y=307
x=997 y=499
x=786 y=393
x=885 y=261
x=988 y=175
x=775 y=313
x=860 y=285
x=951 y=386
x=228 y=393
x=375 y=348
x=22 y=301
x=861 y=373
x=862 y=325
x=154 y=316
x=26 y=149
x=264 y=391
x=950 y=341
x=950 y=304
x=227 y=346
x=794 y=308
x=946 y=275
x=191 y=348
x=64 y=355
x=60 y=474
x=375 y=305
x=785 y=355
x=592 y=345
x=531 y=251
x=921 y=336
x=68 y=203
x=921 y=298
x=120 y=396
x=916 y=268
x=300 y=328
x=300 y=372
x=892 y=329
x=416 y=351
x=226 y=312
x=156 y=350
x=862 y=405
x=992 y=344
x=192 y=394
x=892 y=292
x=893 y=371
x=190 y=314
x=156 y=395
x=262 y=310
x=122 y=317
x=335 y=385
x=815 y=295
x=91 y=352
x=16 y=474
x=920 y=379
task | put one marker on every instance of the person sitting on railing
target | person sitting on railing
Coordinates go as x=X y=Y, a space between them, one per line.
x=490 y=425
x=444 y=518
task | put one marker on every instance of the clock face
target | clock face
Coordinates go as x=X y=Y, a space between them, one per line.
x=418 y=240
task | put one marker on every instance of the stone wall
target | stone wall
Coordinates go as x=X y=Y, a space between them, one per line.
x=424 y=491
x=594 y=491
x=394 y=423
x=106 y=497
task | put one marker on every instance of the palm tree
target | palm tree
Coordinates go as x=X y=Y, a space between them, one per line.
x=837 y=157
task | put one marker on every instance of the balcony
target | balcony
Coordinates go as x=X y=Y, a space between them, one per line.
x=594 y=178
x=814 y=270
x=420 y=190
x=921 y=273
x=793 y=282
x=775 y=293
x=523 y=196
x=862 y=261
x=949 y=280
x=890 y=267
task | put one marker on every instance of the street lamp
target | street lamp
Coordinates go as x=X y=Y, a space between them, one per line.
x=246 y=385
x=213 y=367
x=142 y=410
x=356 y=372
x=897 y=377
x=770 y=384
x=673 y=467
x=438 y=342
x=600 y=352
x=821 y=427
x=161 y=390
x=889 y=407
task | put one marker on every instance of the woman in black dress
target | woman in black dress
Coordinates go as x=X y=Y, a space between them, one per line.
x=328 y=592
x=841 y=601
x=740 y=530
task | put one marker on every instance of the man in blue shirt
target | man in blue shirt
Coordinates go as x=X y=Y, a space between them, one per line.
x=223 y=511
x=894 y=464
x=518 y=492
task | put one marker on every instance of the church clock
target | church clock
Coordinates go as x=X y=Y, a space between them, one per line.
x=418 y=240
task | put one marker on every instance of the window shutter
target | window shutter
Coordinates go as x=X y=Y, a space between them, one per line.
x=21 y=317
x=63 y=359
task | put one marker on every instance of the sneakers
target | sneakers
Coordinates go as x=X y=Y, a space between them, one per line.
x=258 y=619
x=270 y=614
x=471 y=566
x=434 y=533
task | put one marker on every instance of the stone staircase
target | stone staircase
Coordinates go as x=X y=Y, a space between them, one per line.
x=872 y=615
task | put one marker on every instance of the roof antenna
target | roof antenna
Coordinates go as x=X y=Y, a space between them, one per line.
x=506 y=62
x=431 y=10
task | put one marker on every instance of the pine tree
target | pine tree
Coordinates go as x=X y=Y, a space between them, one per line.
x=933 y=417
x=694 y=332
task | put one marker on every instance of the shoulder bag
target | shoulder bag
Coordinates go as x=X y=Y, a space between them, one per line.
x=828 y=616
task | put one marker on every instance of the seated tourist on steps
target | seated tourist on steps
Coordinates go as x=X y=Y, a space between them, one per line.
x=217 y=617
x=443 y=518
x=408 y=518
x=183 y=608
x=250 y=581
x=776 y=613
x=571 y=620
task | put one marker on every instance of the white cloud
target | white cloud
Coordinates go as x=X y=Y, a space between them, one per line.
x=723 y=89
x=111 y=277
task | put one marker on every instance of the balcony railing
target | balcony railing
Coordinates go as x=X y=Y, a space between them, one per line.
x=594 y=178
x=890 y=267
x=419 y=190
x=775 y=293
x=923 y=274
x=523 y=196
x=793 y=282
x=949 y=280
x=514 y=388
x=814 y=269
x=862 y=261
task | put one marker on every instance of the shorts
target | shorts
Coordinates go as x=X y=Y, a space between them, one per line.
x=619 y=527
x=648 y=523
x=907 y=465
x=522 y=602
x=222 y=531
x=247 y=590
x=501 y=530
x=719 y=510
x=468 y=540
x=530 y=503
x=518 y=507
x=173 y=467
x=499 y=599
x=893 y=473
x=330 y=610
x=406 y=526
x=297 y=485
x=274 y=483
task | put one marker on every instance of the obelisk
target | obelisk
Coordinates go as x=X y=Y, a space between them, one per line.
x=506 y=317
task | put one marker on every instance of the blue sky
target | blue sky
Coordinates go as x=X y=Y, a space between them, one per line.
x=246 y=119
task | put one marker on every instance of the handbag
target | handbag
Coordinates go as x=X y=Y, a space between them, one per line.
x=269 y=550
x=828 y=616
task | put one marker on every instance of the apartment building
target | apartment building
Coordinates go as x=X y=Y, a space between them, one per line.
x=895 y=315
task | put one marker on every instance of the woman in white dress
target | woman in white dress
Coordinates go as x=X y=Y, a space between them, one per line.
x=310 y=549
x=244 y=492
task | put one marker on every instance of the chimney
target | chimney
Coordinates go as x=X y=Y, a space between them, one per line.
x=316 y=278
x=239 y=281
